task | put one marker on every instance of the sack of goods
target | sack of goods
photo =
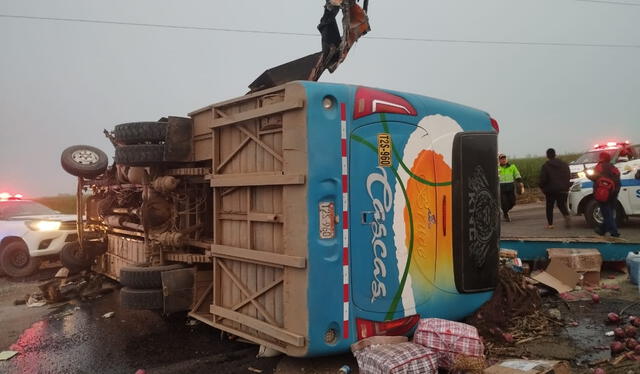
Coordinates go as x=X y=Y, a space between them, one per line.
x=386 y=355
x=458 y=345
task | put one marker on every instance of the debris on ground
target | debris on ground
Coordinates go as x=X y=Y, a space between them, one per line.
x=191 y=322
x=108 y=314
x=62 y=273
x=6 y=355
x=36 y=300
x=513 y=313
x=529 y=367
x=83 y=286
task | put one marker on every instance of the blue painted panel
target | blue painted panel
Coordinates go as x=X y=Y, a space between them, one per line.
x=325 y=294
x=537 y=250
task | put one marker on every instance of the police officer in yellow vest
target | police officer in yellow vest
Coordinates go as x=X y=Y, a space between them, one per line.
x=509 y=177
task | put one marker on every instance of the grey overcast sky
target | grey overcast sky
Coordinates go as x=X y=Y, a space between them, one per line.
x=63 y=82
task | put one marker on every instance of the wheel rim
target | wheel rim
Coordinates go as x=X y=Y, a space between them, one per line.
x=20 y=259
x=85 y=157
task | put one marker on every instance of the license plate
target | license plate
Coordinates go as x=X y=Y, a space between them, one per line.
x=384 y=150
x=327 y=220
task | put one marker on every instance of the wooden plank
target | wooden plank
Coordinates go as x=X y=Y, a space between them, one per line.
x=277 y=345
x=274 y=331
x=203 y=297
x=256 y=179
x=262 y=144
x=202 y=317
x=265 y=217
x=232 y=216
x=246 y=293
x=257 y=294
x=258 y=257
x=271 y=131
x=258 y=112
x=233 y=154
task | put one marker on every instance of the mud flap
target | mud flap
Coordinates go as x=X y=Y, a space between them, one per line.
x=177 y=289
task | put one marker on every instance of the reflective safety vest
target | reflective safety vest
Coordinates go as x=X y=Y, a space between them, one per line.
x=508 y=173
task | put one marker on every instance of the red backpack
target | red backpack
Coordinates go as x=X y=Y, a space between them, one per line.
x=603 y=188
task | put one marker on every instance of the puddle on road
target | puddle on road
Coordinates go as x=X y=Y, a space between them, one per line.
x=590 y=339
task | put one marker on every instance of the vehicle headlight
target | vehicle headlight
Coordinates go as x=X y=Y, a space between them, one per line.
x=589 y=171
x=576 y=187
x=43 y=225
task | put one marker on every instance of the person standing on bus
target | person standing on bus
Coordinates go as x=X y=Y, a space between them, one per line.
x=555 y=182
x=509 y=177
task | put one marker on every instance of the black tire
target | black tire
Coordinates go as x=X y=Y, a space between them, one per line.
x=16 y=262
x=144 y=277
x=593 y=217
x=132 y=298
x=140 y=132
x=84 y=161
x=72 y=260
x=140 y=154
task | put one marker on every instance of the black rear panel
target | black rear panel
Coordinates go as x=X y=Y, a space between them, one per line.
x=476 y=220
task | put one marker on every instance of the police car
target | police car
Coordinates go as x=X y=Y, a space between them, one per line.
x=619 y=152
x=29 y=233
x=581 y=199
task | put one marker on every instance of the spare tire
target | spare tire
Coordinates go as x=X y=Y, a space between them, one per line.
x=84 y=161
x=140 y=132
x=132 y=298
x=140 y=154
x=144 y=277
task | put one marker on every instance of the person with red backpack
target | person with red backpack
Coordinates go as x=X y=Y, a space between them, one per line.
x=606 y=186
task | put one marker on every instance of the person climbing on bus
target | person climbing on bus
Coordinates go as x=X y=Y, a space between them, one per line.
x=510 y=178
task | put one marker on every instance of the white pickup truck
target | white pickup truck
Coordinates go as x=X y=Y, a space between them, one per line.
x=619 y=151
x=581 y=199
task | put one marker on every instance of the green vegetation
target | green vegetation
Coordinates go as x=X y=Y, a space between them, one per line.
x=62 y=203
x=530 y=167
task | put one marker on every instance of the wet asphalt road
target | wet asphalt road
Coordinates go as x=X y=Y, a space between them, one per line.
x=75 y=338
x=529 y=220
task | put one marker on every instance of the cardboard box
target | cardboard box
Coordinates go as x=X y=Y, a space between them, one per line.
x=558 y=276
x=529 y=367
x=587 y=262
x=580 y=260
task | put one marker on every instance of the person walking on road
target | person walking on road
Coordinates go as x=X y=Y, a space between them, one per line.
x=554 y=183
x=606 y=186
x=509 y=177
